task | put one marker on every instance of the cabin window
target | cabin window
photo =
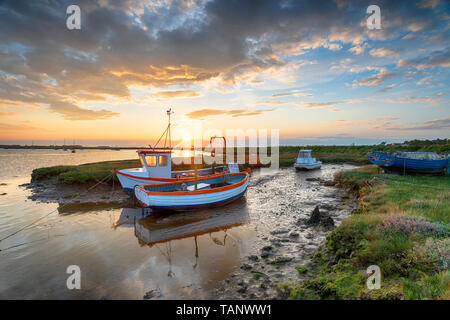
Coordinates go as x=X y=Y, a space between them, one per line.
x=151 y=161
x=141 y=158
x=162 y=161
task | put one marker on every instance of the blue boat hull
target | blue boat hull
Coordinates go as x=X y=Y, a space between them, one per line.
x=407 y=164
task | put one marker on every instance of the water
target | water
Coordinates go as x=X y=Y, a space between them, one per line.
x=121 y=253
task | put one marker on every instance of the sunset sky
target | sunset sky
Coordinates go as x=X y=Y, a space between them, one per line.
x=311 y=69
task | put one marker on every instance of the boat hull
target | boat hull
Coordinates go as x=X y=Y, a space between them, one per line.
x=303 y=166
x=394 y=163
x=128 y=180
x=191 y=200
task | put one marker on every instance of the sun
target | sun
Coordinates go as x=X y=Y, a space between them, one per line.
x=186 y=138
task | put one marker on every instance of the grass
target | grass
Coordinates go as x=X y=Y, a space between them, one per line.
x=402 y=225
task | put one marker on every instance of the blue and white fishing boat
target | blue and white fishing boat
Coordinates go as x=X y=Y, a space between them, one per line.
x=156 y=166
x=202 y=192
x=418 y=162
x=306 y=162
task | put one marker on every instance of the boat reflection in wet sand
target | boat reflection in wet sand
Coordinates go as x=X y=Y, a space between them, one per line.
x=158 y=228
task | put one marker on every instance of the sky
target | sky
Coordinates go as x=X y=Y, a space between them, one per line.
x=311 y=69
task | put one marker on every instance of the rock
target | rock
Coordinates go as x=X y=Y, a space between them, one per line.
x=246 y=266
x=315 y=216
x=320 y=218
x=282 y=260
x=279 y=232
x=156 y=293
x=241 y=289
x=253 y=258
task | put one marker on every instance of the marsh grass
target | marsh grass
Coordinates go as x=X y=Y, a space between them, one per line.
x=401 y=225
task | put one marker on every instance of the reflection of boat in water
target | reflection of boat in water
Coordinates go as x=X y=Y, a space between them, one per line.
x=159 y=228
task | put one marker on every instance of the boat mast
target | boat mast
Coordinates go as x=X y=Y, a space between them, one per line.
x=166 y=134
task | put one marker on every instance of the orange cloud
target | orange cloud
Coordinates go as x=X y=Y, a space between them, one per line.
x=202 y=113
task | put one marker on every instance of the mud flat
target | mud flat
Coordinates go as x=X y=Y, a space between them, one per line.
x=51 y=192
x=292 y=214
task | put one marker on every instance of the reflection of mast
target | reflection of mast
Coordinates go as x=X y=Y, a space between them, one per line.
x=196 y=253
x=168 y=255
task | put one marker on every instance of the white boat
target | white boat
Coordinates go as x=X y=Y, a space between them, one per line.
x=156 y=167
x=306 y=162
x=193 y=193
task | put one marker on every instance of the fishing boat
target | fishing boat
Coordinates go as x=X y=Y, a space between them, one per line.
x=306 y=162
x=415 y=162
x=191 y=194
x=156 y=166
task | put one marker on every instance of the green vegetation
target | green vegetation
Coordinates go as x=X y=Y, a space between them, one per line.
x=258 y=275
x=402 y=224
x=94 y=172
x=91 y=172
x=83 y=174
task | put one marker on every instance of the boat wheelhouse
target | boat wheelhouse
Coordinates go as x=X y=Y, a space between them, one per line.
x=305 y=161
x=157 y=168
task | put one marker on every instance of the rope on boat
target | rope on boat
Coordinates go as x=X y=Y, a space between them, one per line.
x=46 y=215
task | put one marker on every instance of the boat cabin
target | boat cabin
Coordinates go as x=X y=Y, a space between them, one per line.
x=305 y=156
x=157 y=163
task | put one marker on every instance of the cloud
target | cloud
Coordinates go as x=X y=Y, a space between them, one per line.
x=203 y=113
x=435 y=124
x=18 y=127
x=387 y=88
x=383 y=52
x=177 y=94
x=436 y=59
x=358 y=49
x=163 y=43
x=375 y=80
x=7 y=114
x=309 y=105
x=295 y=94
x=411 y=99
x=429 y=3
x=426 y=80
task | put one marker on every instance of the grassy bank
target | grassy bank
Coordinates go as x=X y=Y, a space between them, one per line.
x=90 y=172
x=402 y=225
